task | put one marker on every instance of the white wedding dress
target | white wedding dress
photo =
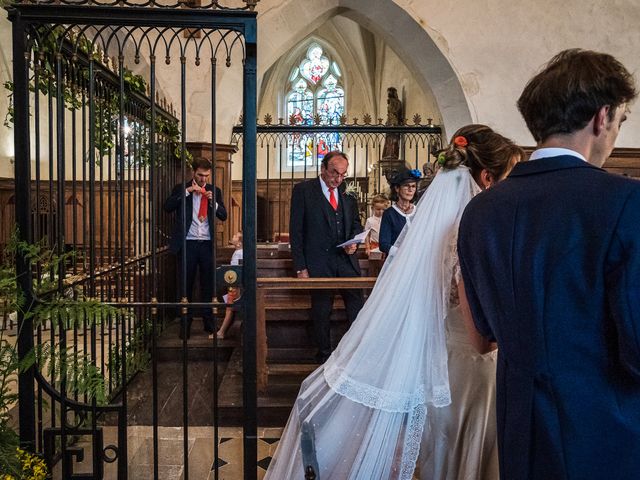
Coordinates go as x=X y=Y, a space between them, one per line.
x=459 y=441
x=362 y=414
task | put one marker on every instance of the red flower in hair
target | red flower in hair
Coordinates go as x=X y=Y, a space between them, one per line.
x=460 y=141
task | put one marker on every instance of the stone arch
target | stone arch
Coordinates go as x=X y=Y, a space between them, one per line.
x=400 y=31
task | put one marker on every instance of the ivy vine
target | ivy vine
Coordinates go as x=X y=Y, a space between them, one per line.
x=107 y=107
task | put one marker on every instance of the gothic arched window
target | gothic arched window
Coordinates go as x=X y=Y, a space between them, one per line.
x=315 y=89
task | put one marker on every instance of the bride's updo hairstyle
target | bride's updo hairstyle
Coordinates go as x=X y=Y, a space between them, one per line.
x=480 y=148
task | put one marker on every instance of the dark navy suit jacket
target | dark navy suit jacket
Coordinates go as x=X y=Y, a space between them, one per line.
x=391 y=226
x=550 y=258
x=173 y=204
x=310 y=229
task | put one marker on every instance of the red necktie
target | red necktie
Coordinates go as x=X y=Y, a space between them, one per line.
x=204 y=203
x=332 y=198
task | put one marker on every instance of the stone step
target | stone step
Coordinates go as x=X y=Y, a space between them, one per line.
x=275 y=404
x=285 y=315
x=298 y=334
x=296 y=361
x=199 y=346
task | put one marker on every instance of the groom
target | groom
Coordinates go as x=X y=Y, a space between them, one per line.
x=550 y=260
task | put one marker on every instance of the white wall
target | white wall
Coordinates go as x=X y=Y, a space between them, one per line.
x=495 y=46
x=6 y=134
x=492 y=47
x=469 y=59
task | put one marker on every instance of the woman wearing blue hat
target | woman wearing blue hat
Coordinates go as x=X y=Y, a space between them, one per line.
x=404 y=186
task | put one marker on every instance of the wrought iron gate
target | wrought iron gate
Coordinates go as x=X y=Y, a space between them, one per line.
x=103 y=147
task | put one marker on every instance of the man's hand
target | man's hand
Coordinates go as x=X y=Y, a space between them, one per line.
x=193 y=187
x=351 y=249
x=209 y=194
x=303 y=273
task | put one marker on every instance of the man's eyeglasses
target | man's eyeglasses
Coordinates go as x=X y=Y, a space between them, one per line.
x=333 y=174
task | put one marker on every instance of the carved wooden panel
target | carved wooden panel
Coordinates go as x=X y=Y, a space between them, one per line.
x=624 y=161
x=45 y=212
x=274 y=204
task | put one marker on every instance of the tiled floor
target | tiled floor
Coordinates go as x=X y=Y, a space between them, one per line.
x=231 y=452
x=200 y=453
x=274 y=407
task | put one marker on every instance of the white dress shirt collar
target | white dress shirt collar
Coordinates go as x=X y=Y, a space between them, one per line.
x=554 y=152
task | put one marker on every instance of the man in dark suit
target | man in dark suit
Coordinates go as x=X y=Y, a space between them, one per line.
x=321 y=219
x=550 y=260
x=196 y=231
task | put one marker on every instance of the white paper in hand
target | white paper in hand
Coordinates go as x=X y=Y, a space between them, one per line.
x=359 y=238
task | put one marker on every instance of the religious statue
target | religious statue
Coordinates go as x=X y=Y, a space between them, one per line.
x=391 y=150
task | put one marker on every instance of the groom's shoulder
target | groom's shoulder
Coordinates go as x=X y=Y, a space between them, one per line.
x=594 y=179
x=630 y=189
x=500 y=192
x=477 y=208
x=626 y=182
x=605 y=184
x=612 y=190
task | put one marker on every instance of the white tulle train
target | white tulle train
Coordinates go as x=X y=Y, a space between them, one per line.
x=364 y=410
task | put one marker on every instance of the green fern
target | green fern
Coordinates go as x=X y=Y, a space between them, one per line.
x=10 y=365
x=71 y=372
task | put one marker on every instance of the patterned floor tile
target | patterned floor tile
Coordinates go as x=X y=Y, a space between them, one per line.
x=264 y=463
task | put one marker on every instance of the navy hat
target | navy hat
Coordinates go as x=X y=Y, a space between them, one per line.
x=405 y=176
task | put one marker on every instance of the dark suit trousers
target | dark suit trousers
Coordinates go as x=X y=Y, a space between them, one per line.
x=200 y=260
x=322 y=304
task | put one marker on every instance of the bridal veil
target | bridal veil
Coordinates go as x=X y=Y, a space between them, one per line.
x=364 y=410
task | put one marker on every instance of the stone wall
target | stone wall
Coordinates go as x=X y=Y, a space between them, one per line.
x=468 y=59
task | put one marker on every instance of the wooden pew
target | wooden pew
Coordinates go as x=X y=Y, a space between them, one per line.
x=265 y=285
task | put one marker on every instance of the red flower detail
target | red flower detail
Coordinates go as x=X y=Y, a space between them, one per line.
x=460 y=141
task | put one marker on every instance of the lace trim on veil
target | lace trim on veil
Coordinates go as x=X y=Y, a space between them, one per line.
x=412 y=405
x=378 y=398
x=369 y=395
x=412 y=442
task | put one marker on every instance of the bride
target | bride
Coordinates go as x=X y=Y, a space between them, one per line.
x=362 y=414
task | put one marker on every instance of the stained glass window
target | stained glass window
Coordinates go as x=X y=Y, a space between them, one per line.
x=330 y=104
x=314 y=89
x=315 y=65
x=300 y=104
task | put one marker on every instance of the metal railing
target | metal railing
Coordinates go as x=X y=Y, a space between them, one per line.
x=96 y=154
x=281 y=164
